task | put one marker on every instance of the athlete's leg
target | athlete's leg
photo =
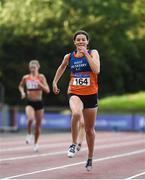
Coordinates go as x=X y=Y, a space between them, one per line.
x=76 y=107
x=89 y=120
x=38 y=120
x=30 y=116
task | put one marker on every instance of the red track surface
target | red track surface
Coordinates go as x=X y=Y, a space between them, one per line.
x=117 y=156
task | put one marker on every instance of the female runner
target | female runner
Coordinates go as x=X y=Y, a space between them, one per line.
x=83 y=90
x=31 y=87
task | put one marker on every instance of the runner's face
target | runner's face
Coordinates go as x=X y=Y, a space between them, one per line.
x=81 y=40
x=33 y=68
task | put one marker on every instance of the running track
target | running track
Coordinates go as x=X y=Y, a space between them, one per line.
x=117 y=156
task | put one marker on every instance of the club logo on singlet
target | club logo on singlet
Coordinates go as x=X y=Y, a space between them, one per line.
x=32 y=84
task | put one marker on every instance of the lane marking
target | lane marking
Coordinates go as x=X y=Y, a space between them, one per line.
x=136 y=175
x=76 y=164
x=57 y=145
x=64 y=152
x=28 y=146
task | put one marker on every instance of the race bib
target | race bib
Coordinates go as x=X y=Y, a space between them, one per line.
x=81 y=80
x=31 y=84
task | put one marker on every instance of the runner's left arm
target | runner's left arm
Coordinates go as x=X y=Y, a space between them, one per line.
x=43 y=84
x=93 y=59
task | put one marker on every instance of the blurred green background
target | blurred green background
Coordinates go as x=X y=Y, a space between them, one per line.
x=43 y=30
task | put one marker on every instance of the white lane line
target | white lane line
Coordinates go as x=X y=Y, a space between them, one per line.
x=79 y=163
x=135 y=176
x=32 y=156
x=57 y=144
x=30 y=146
x=21 y=142
x=106 y=146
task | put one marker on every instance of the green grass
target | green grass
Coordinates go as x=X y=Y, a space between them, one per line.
x=128 y=102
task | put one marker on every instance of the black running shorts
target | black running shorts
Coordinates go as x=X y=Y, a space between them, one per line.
x=37 y=105
x=89 y=101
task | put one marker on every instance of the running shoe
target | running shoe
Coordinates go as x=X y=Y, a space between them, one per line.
x=89 y=165
x=79 y=147
x=72 y=150
x=35 y=148
x=29 y=138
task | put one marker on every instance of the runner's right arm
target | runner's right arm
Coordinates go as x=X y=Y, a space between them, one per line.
x=60 y=72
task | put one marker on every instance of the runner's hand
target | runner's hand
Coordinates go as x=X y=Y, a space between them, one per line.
x=40 y=84
x=23 y=95
x=82 y=49
x=55 y=89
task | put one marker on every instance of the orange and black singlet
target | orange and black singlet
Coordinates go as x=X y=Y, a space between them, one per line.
x=83 y=81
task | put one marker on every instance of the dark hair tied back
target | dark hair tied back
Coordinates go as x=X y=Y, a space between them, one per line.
x=81 y=32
